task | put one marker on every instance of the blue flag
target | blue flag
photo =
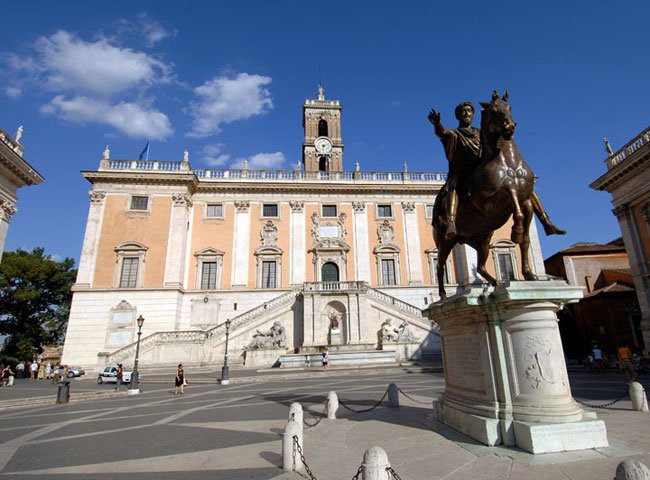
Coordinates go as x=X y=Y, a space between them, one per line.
x=145 y=153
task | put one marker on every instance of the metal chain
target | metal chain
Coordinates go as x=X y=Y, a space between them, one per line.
x=367 y=409
x=302 y=458
x=393 y=473
x=323 y=415
x=356 y=475
x=626 y=392
x=411 y=398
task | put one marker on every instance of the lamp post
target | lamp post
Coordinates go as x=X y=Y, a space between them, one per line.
x=134 y=387
x=225 y=380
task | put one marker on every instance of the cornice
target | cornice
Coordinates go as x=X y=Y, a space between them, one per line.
x=141 y=177
x=622 y=172
x=19 y=166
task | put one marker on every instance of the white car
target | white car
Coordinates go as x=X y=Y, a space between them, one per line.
x=108 y=375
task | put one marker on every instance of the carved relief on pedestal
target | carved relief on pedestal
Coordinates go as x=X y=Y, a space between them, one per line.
x=181 y=200
x=541 y=371
x=242 y=205
x=96 y=197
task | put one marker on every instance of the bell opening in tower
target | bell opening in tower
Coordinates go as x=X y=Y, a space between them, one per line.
x=322 y=128
x=323 y=164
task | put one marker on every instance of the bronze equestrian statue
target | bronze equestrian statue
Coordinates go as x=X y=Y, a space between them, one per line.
x=488 y=182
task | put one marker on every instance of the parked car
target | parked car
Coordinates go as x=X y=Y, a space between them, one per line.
x=109 y=375
x=75 y=372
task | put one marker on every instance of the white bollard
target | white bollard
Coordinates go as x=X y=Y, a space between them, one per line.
x=632 y=470
x=332 y=405
x=393 y=396
x=291 y=462
x=638 y=396
x=374 y=464
x=295 y=413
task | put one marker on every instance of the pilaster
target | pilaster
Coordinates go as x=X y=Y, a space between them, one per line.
x=177 y=242
x=298 y=268
x=241 y=244
x=361 y=245
x=412 y=242
x=91 y=239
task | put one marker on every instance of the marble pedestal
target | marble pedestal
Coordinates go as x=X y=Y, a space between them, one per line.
x=263 y=357
x=505 y=375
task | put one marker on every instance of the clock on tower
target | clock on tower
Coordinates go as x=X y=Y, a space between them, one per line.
x=322 y=149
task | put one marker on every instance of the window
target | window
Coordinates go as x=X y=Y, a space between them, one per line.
x=139 y=203
x=268 y=274
x=270 y=210
x=388 y=272
x=432 y=257
x=322 y=128
x=506 y=272
x=129 y=272
x=214 y=210
x=445 y=277
x=130 y=264
x=209 y=276
x=428 y=211
x=329 y=210
x=330 y=272
x=384 y=211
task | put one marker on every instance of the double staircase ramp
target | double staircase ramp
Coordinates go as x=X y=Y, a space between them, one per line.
x=213 y=339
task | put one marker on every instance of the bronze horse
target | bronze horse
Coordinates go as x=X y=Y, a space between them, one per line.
x=502 y=185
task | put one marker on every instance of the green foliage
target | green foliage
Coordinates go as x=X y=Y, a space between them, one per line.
x=35 y=300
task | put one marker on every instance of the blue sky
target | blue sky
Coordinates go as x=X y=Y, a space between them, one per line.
x=227 y=80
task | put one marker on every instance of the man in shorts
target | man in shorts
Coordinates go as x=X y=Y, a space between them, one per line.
x=626 y=362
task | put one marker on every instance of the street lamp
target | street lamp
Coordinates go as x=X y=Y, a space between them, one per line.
x=134 y=387
x=225 y=380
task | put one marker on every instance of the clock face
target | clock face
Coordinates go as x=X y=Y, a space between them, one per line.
x=323 y=145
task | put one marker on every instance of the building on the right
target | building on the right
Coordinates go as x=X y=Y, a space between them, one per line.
x=628 y=180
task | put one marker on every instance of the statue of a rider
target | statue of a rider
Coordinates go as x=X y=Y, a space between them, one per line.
x=462 y=148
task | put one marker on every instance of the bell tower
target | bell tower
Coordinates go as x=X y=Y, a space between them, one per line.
x=322 y=149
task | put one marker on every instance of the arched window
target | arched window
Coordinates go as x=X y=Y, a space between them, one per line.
x=323 y=164
x=330 y=272
x=322 y=128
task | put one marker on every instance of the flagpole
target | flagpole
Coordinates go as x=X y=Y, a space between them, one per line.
x=148 y=147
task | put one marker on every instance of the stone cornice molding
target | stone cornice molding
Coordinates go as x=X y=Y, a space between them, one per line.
x=623 y=172
x=242 y=206
x=15 y=163
x=96 y=197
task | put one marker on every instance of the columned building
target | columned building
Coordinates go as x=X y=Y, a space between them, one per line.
x=628 y=180
x=331 y=257
x=15 y=172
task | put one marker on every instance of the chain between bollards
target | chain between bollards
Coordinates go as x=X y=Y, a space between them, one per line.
x=411 y=398
x=393 y=473
x=356 y=475
x=323 y=415
x=367 y=409
x=591 y=405
x=296 y=446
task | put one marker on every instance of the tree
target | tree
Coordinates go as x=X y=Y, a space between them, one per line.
x=35 y=300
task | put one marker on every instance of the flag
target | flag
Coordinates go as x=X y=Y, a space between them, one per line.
x=145 y=153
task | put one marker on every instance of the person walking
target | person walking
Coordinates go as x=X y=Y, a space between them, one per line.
x=598 y=359
x=20 y=370
x=33 y=370
x=48 y=371
x=626 y=362
x=118 y=377
x=326 y=358
x=179 y=380
x=6 y=374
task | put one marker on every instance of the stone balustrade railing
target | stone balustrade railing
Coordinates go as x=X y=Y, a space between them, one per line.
x=629 y=148
x=270 y=175
x=335 y=286
x=390 y=300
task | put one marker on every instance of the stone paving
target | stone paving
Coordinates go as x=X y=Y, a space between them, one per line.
x=234 y=431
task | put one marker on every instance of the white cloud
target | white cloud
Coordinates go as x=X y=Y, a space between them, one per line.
x=225 y=100
x=261 y=161
x=153 y=31
x=132 y=119
x=213 y=157
x=98 y=68
x=13 y=92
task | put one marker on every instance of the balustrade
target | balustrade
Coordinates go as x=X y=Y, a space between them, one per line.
x=629 y=148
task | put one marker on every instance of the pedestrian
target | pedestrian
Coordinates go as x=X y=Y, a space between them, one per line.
x=6 y=374
x=33 y=370
x=590 y=363
x=598 y=358
x=626 y=362
x=179 y=380
x=20 y=370
x=48 y=371
x=41 y=371
x=326 y=358
x=118 y=377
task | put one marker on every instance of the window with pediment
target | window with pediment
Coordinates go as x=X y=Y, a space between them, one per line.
x=129 y=264
x=209 y=269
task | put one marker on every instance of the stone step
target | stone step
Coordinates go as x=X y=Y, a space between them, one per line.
x=339 y=358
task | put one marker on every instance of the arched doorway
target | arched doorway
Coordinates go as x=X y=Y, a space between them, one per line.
x=330 y=272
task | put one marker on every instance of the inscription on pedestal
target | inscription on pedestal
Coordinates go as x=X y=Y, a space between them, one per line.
x=463 y=366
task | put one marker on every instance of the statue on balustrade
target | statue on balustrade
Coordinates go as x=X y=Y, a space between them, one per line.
x=488 y=182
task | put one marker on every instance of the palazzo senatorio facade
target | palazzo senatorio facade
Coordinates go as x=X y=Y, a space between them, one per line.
x=329 y=255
